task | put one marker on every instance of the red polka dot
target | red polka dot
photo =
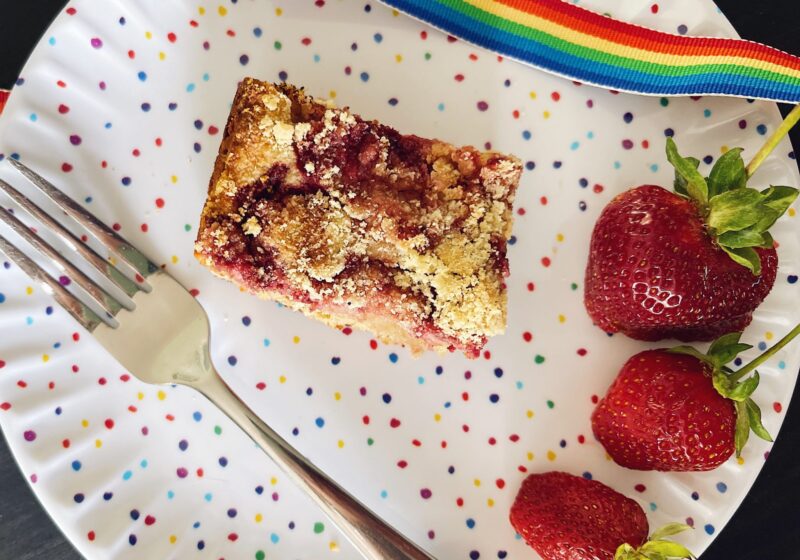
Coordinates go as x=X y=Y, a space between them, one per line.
x=61 y=83
x=582 y=351
x=640 y=488
x=531 y=286
x=500 y=483
x=144 y=228
x=394 y=423
x=402 y=463
x=109 y=423
x=581 y=439
x=365 y=420
x=306 y=41
x=521 y=211
x=71 y=11
x=654 y=8
x=473 y=57
x=546 y=261
x=513 y=438
x=136 y=152
x=416 y=443
x=373 y=344
x=527 y=337
x=63 y=109
x=212 y=130
x=65 y=444
x=777 y=407
x=233 y=537
x=131 y=54
x=21 y=384
x=555 y=96
x=543 y=200
x=261 y=385
x=102 y=381
x=423 y=35
x=149 y=520
x=171 y=37
x=66 y=167
x=460 y=502
x=51 y=385
x=5 y=406
x=195 y=292
x=159 y=142
x=459 y=77
x=90 y=535
x=598 y=188
x=159 y=203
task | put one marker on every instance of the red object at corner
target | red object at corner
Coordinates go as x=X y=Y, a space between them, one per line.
x=3 y=98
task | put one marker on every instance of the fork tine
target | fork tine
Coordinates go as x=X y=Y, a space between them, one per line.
x=102 y=265
x=103 y=299
x=83 y=314
x=113 y=241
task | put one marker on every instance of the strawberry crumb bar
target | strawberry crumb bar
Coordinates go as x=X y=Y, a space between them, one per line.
x=354 y=224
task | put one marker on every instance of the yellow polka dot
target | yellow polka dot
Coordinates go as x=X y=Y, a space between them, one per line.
x=333 y=546
x=337 y=396
x=723 y=149
x=546 y=114
x=551 y=456
x=530 y=455
x=174 y=179
x=279 y=12
x=148 y=35
x=45 y=358
x=792 y=212
x=29 y=290
x=395 y=13
x=768 y=335
x=529 y=414
x=162 y=55
x=201 y=10
x=173 y=539
x=437 y=417
x=85 y=423
x=174 y=259
x=562 y=319
x=477 y=482
x=560 y=237
x=161 y=395
x=296 y=339
x=282 y=379
x=98 y=443
x=740 y=460
x=398 y=57
x=222 y=10
x=140 y=396
x=532 y=95
x=259 y=518
x=332 y=94
x=340 y=443
x=490 y=502
x=273 y=481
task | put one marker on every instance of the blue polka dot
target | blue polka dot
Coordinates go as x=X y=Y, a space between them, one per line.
x=695 y=496
x=201 y=545
x=309 y=391
x=574 y=146
x=707 y=113
x=127 y=475
x=792 y=279
x=170 y=494
x=223 y=462
x=762 y=345
x=669 y=133
x=266 y=342
x=206 y=77
x=387 y=398
x=274 y=538
x=320 y=422
x=244 y=59
x=378 y=37
x=78 y=498
x=76 y=466
x=283 y=75
x=190 y=88
x=259 y=490
x=134 y=514
x=132 y=540
x=108 y=495
x=587 y=475
x=709 y=529
x=246 y=321
x=197 y=147
x=420 y=380
x=257 y=31
x=2 y=297
x=556 y=165
x=708 y=160
x=48 y=311
x=494 y=398
x=33 y=117
x=474 y=555
x=364 y=77
x=232 y=360
x=393 y=358
x=439 y=370
x=470 y=523
x=183 y=445
x=762 y=130
x=122 y=21
x=208 y=497
x=722 y=487
x=526 y=134
x=627 y=117
x=232 y=513
x=51 y=41
x=146 y=107
x=198 y=124
x=197 y=415
x=58 y=411
x=142 y=76
x=384 y=494
x=530 y=166
x=336 y=360
x=393 y=101
x=172 y=106
x=126 y=181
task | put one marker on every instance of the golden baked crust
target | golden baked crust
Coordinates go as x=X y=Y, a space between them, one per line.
x=354 y=224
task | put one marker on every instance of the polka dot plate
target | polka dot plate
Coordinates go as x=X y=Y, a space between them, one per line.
x=124 y=106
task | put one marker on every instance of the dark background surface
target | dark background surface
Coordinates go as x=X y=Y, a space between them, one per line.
x=765 y=527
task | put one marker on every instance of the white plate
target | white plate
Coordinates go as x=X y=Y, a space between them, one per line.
x=127 y=117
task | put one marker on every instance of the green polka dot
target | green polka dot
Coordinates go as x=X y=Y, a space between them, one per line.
x=370 y=441
x=428 y=56
x=260 y=555
x=664 y=101
x=539 y=359
x=550 y=404
x=318 y=527
x=217 y=430
x=574 y=286
x=278 y=45
x=187 y=227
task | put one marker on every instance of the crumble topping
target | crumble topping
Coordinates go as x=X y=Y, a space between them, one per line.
x=353 y=223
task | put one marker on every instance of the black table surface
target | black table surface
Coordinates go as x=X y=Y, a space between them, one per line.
x=760 y=530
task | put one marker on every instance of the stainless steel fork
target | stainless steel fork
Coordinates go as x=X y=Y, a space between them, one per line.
x=159 y=332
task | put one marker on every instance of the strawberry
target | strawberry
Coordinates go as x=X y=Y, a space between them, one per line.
x=567 y=517
x=681 y=409
x=691 y=264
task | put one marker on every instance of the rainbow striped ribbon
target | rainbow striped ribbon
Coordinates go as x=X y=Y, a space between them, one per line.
x=584 y=46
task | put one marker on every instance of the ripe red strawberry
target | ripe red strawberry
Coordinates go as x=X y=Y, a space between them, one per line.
x=680 y=409
x=691 y=265
x=566 y=517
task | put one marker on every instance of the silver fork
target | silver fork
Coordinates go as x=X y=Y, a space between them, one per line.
x=159 y=332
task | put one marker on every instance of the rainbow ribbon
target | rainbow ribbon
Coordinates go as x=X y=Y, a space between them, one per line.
x=587 y=47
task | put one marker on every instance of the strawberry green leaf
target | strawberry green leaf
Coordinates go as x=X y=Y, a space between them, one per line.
x=740 y=239
x=722 y=383
x=779 y=198
x=742 y=433
x=668 y=530
x=696 y=186
x=728 y=173
x=726 y=354
x=625 y=552
x=745 y=256
x=768 y=240
x=742 y=391
x=768 y=218
x=734 y=210
x=680 y=183
x=665 y=549
x=754 y=417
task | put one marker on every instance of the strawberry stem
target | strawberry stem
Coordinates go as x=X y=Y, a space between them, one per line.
x=766 y=355
x=790 y=120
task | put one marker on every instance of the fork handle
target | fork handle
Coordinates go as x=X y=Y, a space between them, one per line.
x=370 y=535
